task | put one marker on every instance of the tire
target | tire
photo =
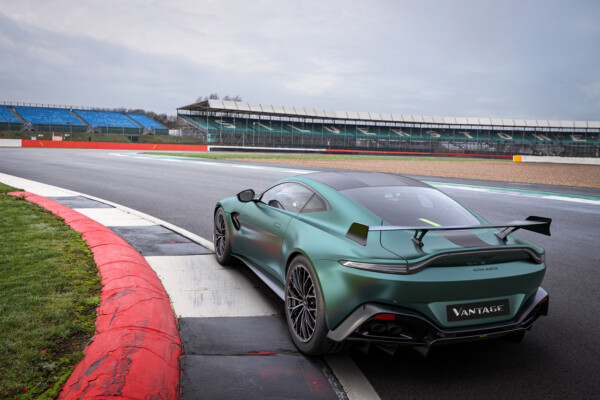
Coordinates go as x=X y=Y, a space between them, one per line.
x=221 y=239
x=305 y=310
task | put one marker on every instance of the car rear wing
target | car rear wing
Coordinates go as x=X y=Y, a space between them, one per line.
x=359 y=232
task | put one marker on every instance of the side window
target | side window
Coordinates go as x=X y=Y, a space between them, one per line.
x=287 y=196
x=315 y=204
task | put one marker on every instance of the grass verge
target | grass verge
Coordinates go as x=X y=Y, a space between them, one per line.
x=49 y=291
x=226 y=156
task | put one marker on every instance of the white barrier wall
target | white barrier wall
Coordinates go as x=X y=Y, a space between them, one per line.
x=10 y=143
x=265 y=149
x=558 y=160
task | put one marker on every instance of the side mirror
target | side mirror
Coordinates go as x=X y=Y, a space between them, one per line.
x=276 y=204
x=246 y=196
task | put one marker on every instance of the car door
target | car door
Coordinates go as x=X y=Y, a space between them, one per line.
x=263 y=224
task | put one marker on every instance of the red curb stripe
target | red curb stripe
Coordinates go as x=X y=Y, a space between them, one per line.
x=87 y=225
x=136 y=349
x=110 y=146
x=99 y=238
x=113 y=253
x=129 y=281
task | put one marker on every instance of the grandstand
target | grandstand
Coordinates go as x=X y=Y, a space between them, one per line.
x=240 y=123
x=46 y=118
x=248 y=124
x=41 y=115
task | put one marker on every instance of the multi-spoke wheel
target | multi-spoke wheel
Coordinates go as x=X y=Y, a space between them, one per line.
x=305 y=310
x=221 y=239
x=301 y=303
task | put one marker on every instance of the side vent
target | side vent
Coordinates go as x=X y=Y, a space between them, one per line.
x=358 y=233
x=236 y=222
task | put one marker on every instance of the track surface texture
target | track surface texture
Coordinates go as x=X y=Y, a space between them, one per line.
x=559 y=358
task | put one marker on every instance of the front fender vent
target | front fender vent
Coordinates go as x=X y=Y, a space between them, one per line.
x=235 y=221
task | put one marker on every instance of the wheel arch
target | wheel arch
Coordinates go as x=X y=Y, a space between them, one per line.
x=288 y=263
x=228 y=208
x=291 y=256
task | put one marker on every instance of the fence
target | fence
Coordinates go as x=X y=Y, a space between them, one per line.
x=422 y=144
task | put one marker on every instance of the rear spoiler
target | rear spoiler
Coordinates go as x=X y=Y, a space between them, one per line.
x=359 y=232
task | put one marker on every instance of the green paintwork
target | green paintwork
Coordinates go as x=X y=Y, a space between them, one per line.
x=271 y=237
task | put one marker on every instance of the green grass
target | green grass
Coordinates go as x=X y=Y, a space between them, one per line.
x=226 y=156
x=49 y=291
x=7 y=189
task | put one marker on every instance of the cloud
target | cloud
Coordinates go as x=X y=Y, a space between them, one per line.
x=58 y=69
x=535 y=59
x=312 y=84
x=591 y=90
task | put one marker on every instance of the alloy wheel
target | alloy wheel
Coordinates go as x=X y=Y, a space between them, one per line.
x=220 y=234
x=301 y=303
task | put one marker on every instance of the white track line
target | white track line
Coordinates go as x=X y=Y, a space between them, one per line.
x=351 y=378
x=209 y=163
x=520 y=193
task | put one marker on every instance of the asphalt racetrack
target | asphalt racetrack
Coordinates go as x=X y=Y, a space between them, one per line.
x=559 y=357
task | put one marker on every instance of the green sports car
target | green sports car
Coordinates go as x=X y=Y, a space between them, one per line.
x=383 y=259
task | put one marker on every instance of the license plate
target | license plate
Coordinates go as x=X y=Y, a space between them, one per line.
x=484 y=309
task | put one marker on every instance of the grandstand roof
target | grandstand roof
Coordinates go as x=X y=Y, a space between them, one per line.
x=239 y=107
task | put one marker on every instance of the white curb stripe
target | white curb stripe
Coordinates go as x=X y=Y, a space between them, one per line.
x=573 y=200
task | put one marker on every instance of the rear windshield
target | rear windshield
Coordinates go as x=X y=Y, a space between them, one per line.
x=412 y=206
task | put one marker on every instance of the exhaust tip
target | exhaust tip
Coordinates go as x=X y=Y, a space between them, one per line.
x=377 y=327
x=394 y=329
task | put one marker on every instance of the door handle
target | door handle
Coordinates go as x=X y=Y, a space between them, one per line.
x=277 y=225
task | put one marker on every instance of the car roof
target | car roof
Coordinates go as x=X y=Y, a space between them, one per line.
x=344 y=180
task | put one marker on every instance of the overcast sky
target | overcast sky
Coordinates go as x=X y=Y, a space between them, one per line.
x=530 y=59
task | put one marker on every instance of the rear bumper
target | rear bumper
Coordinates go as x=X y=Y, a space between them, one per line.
x=407 y=328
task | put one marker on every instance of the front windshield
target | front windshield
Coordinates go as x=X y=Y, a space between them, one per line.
x=412 y=206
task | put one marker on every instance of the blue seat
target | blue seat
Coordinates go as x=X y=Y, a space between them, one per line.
x=145 y=121
x=106 y=118
x=7 y=116
x=42 y=115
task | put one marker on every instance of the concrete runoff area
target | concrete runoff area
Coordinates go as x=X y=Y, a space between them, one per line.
x=235 y=340
x=250 y=358
x=114 y=217
x=79 y=202
x=156 y=240
x=201 y=287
